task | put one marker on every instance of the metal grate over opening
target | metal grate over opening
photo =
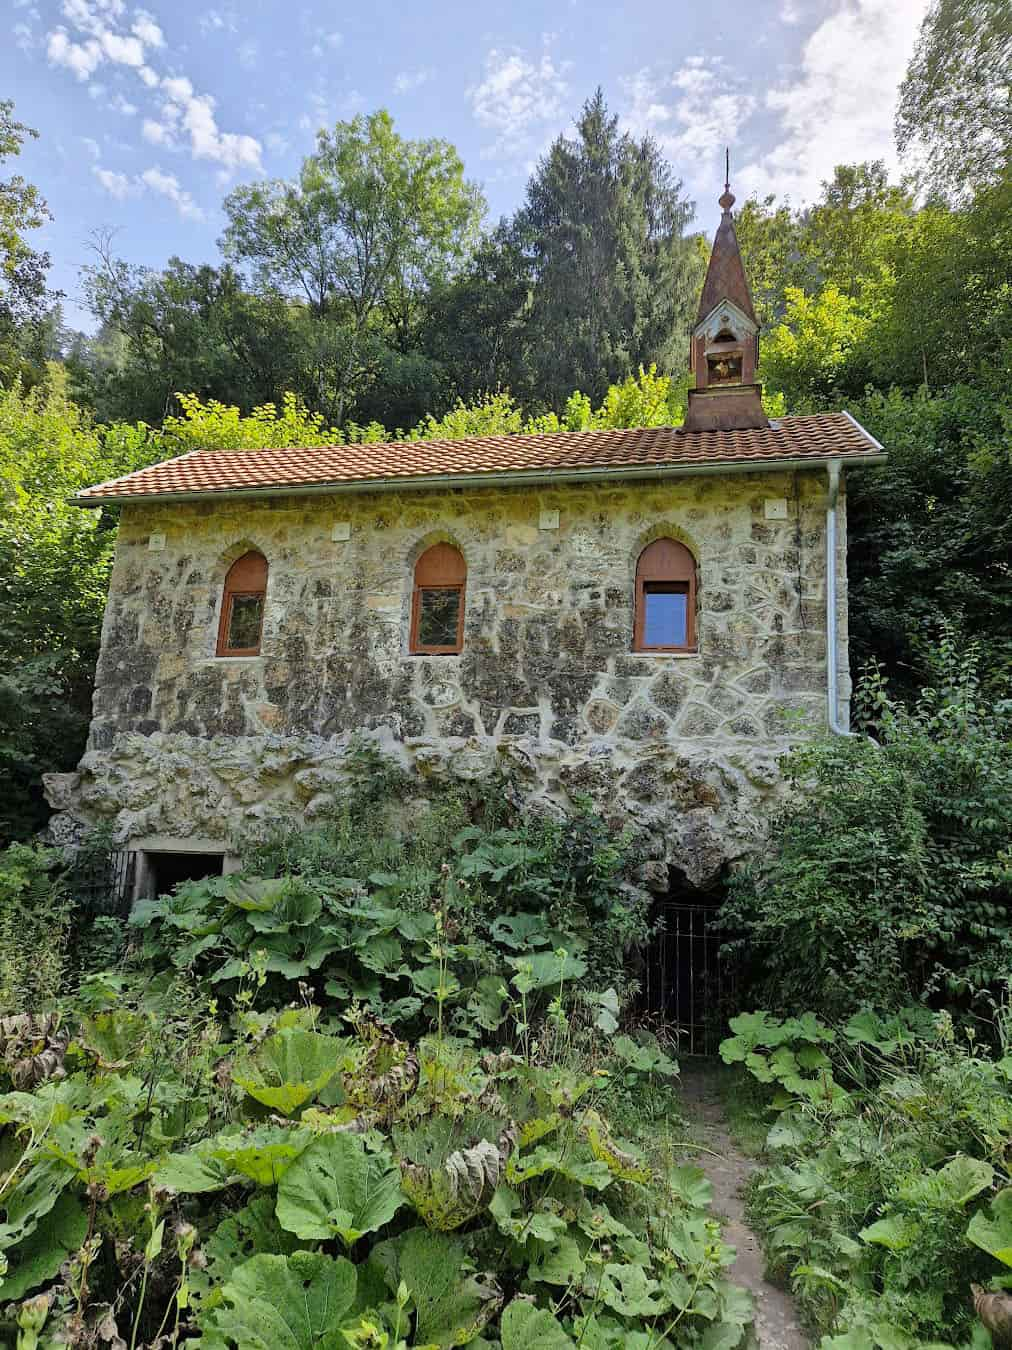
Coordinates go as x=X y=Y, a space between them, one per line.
x=688 y=982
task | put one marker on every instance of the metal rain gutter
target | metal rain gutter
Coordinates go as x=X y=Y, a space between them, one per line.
x=832 y=643
x=512 y=478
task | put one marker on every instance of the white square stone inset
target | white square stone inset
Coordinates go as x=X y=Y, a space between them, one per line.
x=776 y=508
x=156 y=543
x=340 y=531
x=549 y=520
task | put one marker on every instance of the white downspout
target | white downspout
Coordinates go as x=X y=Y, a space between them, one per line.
x=832 y=673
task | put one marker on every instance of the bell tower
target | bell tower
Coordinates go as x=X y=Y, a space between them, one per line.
x=724 y=349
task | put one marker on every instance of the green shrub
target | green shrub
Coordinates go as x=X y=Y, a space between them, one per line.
x=299 y=1175
x=888 y=1148
x=35 y=923
x=461 y=914
x=889 y=877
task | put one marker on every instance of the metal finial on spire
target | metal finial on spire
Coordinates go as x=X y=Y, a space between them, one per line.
x=727 y=200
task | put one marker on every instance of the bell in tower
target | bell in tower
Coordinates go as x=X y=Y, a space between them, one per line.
x=724 y=350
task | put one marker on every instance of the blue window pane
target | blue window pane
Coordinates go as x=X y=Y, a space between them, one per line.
x=664 y=619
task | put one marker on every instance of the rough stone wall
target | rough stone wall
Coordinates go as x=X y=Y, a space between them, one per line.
x=684 y=745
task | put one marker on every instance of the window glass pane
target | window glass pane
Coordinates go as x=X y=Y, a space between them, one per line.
x=664 y=618
x=244 y=622
x=438 y=612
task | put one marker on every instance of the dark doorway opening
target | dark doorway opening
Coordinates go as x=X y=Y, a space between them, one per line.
x=689 y=983
x=167 y=870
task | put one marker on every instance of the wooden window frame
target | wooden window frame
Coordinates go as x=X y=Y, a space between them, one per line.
x=440 y=568
x=665 y=562
x=237 y=587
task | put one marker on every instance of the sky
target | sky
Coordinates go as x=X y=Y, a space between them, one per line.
x=149 y=114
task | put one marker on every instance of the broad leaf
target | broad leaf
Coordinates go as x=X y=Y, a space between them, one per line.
x=993 y=1233
x=192 y=1174
x=290 y=1068
x=953 y=1185
x=690 y=1185
x=894 y=1232
x=337 y=1189
x=31 y=1199
x=560 y=1263
x=39 y=1257
x=115 y=1038
x=543 y=970
x=631 y=1292
x=451 y=1307
x=263 y=1154
x=525 y=1327
x=253 y=1231
x=297 y=1302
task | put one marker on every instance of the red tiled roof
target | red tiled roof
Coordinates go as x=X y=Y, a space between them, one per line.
x=624 y=451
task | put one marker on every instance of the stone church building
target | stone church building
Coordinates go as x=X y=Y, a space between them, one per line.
x=644 y=616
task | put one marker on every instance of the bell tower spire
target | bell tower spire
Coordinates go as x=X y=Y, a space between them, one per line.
x=724 y=349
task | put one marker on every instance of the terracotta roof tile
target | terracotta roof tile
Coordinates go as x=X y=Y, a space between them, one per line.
x=265 y=472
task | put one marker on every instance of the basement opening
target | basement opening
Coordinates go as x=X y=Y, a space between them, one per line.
x=166 y=870
x=688 y=984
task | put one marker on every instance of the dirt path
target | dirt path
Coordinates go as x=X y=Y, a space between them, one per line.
x=728 y=1169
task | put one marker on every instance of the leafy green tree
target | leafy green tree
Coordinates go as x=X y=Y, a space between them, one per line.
x=769 y=237
x=813 y=351
x=372 y=223
x=187 y=327
x=475 y=325
x=930 y=533
x=946 y=315
x=23 y=294
x=847 y=236
x=613 y=281
x=955 y=107
x=54 y=570
x=886 y=881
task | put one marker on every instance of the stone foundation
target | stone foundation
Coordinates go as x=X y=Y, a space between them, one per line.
x=697 y=808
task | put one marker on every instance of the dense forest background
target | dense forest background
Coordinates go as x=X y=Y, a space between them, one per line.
x=370 y=298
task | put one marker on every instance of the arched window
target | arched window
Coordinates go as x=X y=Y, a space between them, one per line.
x=665 y=598
x=242 y=606
x=437 y=606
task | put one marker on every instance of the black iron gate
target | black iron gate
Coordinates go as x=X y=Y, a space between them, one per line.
x=689 y=982
x=103 y=883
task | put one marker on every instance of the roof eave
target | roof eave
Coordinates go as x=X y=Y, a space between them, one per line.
x=510 y=478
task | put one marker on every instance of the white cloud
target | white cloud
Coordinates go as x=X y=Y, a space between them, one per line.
x=123 y=50
x=92 y=147
x=23 y=38
x=838 y=108
x=217 y=21
x=195 y=114
x=326 y=42
x=277 y=142
x=118 y=185
x=157 y=132
x=147 y=30
x=102 y=42
x=123 y=106
x=83 y=58
x=407 y=80
x=517 y=96
x=168 y=185
x=791 y=11
x=690 y=111
x=184 y=112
